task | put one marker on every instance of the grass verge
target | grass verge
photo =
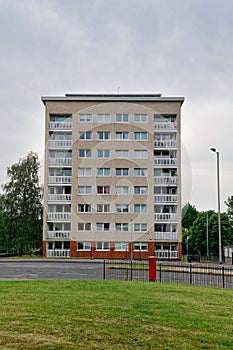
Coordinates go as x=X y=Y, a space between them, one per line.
x=68 y=315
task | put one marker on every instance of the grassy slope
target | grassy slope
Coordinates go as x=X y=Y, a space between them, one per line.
x=114 y=315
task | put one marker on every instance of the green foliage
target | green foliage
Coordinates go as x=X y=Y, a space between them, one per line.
x=229 y=204
x=189 y=215
x=21 y=207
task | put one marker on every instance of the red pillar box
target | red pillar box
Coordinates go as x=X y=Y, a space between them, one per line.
x=152 y=268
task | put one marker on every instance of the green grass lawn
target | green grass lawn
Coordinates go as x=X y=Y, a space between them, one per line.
x=114 y=315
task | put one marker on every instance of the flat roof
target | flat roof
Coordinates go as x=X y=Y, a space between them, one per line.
x=157 y=97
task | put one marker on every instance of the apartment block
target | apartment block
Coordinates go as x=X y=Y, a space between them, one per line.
x=112 y=185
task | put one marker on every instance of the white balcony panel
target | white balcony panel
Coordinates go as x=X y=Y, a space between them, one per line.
x=168 y=198
x=59 y=197
x=165 y=161
x=165 y=144
x=165 y=126
x=58 y=234
x=164 y=217
x=60 y=143
x=60 y=161
x=165 y=180
x=166 y=254
x=58 y=253
x=163 y=236
x=59 y=179
x=59 y=216
x=60 y=126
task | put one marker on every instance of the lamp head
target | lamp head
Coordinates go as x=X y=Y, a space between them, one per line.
x=213 y=149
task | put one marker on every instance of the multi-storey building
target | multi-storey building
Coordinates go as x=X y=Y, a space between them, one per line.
x=112 y=184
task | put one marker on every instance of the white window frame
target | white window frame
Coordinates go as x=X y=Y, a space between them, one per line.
x=139 y=172
x=103 y=208
x=103 y=172
x=84 y=172
x=122 y=190
x=140 y=118
x=122 y=153
x=141 y=136
x=102 y=153
x=84 y=189
x=85 y=135
x=122 y=135
x=122 y=171
x=120 y=226
x=104 y=118
x=86 y=208
x=140 y=154
x=140 y=190
x=85 y=118
x=122 y=118
x=122 y=208
x=84 y=226
x=140 y=208
x=121 y=246
x=86 y=246
x=104 y=188
x=102 y=226
x=139 y=247
x=103 y=246
x=87 y=153
x=140 y=227
x=103 y=135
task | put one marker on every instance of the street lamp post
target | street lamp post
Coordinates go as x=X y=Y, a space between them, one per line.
x=219 y=220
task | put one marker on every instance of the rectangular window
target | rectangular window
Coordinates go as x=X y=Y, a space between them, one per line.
x=84 y=208
x=122 y=189
x=140 y=189
x=84 y=153
x=103 y=208
x=103 y=153
x=121 y=246
x=140 y=118
x=122 y=208
x=122 y=153
x=122 y=118
x=140 y=136
x=103 y=135
x=84 y=245
x=140 y=172
x=122 y=136
x=84 y=226
x=122 y=171
x=84 y=189
x=85 y=135
x=103 y=189
x=140 y=154
x=121 y=227
x=103 y=226
x=85 y=118
x=103 y=172
x=140 y=208
x=102 y=245
x=103 y=118
x=140 y=227
x=141 y=246
x=84 y=172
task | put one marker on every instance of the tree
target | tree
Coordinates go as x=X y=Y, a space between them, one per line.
x=229 y=204
x=22 y=204
x=189 y=215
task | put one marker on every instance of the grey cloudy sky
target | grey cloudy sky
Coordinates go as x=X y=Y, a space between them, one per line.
x=176 y=47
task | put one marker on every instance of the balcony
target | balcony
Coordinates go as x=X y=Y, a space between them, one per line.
x=160 y=161
x=60 y=161
x=165 y=126
x=165 y=144
x=59 y=216
x=166 y=254
x=60 y=143
x=59 y=197
x=60 y=179
x=167 y=198
x=60 y=126
x=58 y=234
x=165 y=180
x=165 y=217
x=58 y=253
x=166 y=236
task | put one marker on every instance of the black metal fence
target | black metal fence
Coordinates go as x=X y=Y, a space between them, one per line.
x=210 y=275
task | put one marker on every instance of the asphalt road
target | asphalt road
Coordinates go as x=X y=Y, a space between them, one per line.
x=50 y=270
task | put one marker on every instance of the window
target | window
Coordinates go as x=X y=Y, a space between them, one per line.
x=103 y=208
x=103 y=135
x=84 y=226
x=103 y=118
x=103 y=153
x=84 y=208
x=102 y=226
x=85 y=118
x=103 y=189
x=84 y=153
x=122 y=118
x=140 y=227
x=85 y=135
x=103 y=172
x=122 y=189
x=84 y=172
x=140 y=189
x=122 y=135
x=140 y=172
x=140 y=136
x=140 y=208
x=140 y=154
x=121 y=227
x=122 y=171
x=140 y=118
x=102 y=245
x=84 y=245
x=122 y=208
x=84 y=189
x=140 y=246
x=122 y=153
x=121 y=246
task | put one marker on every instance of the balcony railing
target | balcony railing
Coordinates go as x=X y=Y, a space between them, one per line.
x=60 y=143
x=166 y=254
x=59 y=197
x=60 y=161
x=165 y=126
x=59 y=216
x=168 y=198
x=164 y=217
x=60 y=126
x=58 y=234
x=165 y=144
x=58 y=253
x=159 y=161
x=165 y=180
x=163 y=236
x=59 y=179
